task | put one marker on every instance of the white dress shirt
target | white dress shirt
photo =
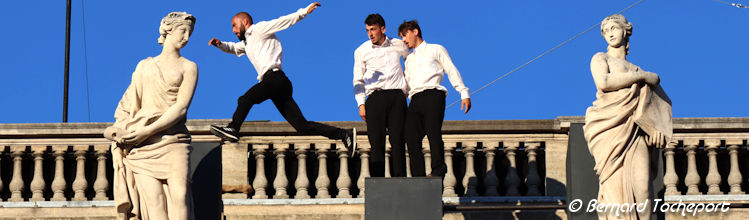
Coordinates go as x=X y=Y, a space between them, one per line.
x=378 y=67
x=261 y=44
x=426 y=66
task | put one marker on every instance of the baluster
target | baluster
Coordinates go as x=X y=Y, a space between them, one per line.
x=364 y=173
x=344 y=180
x=388 y=150
x=512 y=181
x=670 y=179
x=80 y=184
x=59 y=184
x=734 y=177
x=533 y=180
x=101 y=185
x=37 y=183
x=470 y=182
x=323 y=181
x=234 y=168
x=490 y=179
x=302 y=181
x=16 y=183
x=692 y=179
x=713 y=177
x=450 y=181
x=426 y=150
x=260 y=183
x=281 y=181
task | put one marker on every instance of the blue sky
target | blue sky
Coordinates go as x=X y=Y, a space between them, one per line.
x=698 y=47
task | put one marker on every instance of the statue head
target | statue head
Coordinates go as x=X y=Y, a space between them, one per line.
x=616 y=30
x=174 y=21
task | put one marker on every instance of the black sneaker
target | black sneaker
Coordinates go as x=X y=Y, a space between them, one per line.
x=349 y=141
x=225 y=133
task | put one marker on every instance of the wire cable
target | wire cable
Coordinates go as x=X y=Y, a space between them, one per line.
x=737 y=5
x=543 y=54
x=85 y=61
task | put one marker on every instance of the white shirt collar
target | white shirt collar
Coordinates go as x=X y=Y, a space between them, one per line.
x=422 y=46
x=385 y=43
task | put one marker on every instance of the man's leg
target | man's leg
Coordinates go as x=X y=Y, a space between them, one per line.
x=282 y=91
x=414 y=134
x=255 y=95
x=434 y=114
x=375 y=107
x=396 y=122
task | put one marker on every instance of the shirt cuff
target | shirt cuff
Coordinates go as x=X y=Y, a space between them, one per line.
x=360 y=100
x=465 y=94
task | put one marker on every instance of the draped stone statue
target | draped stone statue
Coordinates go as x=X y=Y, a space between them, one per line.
x=630 y=116
x=151 y=149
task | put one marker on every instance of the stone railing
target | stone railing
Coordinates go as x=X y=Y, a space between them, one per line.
x=71 y=162
x=706 y=160
x=69 y=165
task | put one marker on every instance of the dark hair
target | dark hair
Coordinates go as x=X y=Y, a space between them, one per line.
x=375 y=18
x=243 y=15
x=409 y=25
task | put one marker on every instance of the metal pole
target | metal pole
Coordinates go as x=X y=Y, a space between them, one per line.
x=67 y=66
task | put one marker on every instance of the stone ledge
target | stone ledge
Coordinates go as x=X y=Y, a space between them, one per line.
x=503 y=199
x=334 y=201
x=740 y=198
x=58 y=204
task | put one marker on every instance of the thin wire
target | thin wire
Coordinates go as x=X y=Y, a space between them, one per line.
x=544 y=54
x=737 y=5
x=85 y=60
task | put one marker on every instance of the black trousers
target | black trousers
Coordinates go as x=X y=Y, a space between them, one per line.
x=424 y=118
x=386 y=113
x=276 y=87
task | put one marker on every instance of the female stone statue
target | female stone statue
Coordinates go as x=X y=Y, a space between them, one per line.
x=631 y=114
x=152 y=145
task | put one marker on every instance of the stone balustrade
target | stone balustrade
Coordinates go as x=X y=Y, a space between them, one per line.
x=506 y=161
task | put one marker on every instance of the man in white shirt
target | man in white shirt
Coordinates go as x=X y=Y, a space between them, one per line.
x=378 y=78
x=425 y=67
x=258 y=41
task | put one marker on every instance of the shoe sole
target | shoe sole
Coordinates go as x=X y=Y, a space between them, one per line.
x=223 y=135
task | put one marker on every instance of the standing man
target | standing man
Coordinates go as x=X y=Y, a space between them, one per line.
x=258 y=41
x=378 y=75
x=425 y=68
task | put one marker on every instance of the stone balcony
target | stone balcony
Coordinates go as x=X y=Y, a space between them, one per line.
x=496 y=169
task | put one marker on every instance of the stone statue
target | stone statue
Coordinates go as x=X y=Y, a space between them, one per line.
x=631 y=114
x=151 y=149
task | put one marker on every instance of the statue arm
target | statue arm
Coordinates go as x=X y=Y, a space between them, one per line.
x=175 y=112
x=607 y=81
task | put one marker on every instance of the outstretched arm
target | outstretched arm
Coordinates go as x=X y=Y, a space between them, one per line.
x=607 y=81
x=283 y=22
x=228 y=47
x=174 y=113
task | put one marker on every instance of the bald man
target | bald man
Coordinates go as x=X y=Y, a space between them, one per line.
x=258 y=41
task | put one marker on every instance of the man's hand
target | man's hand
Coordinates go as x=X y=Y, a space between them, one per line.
x=312 y=7
x=362 y=113
x=465 y=104
x=215 y=42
